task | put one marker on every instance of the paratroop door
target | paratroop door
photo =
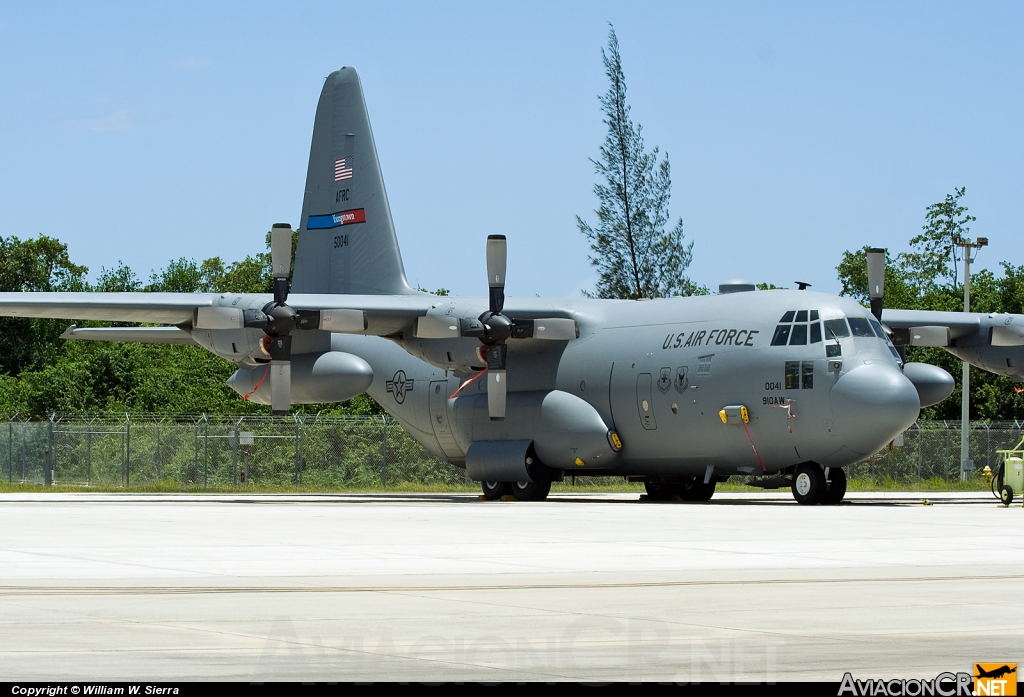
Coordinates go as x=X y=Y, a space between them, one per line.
x=644 y=404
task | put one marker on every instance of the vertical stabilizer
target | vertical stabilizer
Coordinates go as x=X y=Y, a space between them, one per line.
x=347 y=240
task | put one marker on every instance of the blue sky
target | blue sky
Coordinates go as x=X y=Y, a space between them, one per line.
x=144 y=132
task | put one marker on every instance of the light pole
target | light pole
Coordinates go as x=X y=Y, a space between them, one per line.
x=965 y=407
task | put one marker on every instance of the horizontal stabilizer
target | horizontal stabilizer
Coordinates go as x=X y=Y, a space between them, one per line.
x=136 y=335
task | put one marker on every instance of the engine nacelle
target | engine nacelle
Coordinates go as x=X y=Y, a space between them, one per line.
x=932 y=382
x=316 y=378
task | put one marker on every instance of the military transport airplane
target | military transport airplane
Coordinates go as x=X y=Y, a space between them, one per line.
x=679 y=393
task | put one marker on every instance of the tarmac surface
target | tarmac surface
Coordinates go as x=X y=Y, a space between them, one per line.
x=443 y=587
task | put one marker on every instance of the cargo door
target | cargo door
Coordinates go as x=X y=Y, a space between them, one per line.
x=438 y=399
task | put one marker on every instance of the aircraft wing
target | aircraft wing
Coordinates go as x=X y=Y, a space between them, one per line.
x=958 y=323
x=156 y=308
x=139 y=335
x=385 y=314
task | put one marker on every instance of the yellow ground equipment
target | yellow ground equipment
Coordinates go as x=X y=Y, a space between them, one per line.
x=1009 y=479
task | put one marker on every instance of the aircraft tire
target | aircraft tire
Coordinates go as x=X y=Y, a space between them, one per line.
x=538 y=489
x=836 y=487
x=809 y=485
x=698 y=491
x=495 y=490
x=658 y=489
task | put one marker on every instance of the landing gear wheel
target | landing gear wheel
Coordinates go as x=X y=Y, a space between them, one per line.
x=1006 y=495
x=538 y=489
x=836 y=489
x=658 y=489
x=495 y=490
x=809 y=485
x=698 y=491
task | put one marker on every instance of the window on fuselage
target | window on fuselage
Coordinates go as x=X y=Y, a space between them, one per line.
x=781 y=337
x=799 y=375
x=836 y=329
x=792 y=375
x=860 y=327
x=799 y=335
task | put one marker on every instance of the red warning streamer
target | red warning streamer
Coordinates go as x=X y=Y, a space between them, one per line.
x=759 y=461
x=265 y=374
x=472 y=379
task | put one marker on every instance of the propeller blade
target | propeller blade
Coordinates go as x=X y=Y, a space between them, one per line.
x=281 y=250
x=496 y=394
x=876 y=280
x=550 y=328
x=497 y=255
x=281 y=387
x=437 y=327
x=281 y=259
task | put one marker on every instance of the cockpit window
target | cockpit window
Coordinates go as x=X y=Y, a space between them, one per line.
x=781 y=337
x=879 y=332
x=799 y=335
x=860 y=327
x=836 y=328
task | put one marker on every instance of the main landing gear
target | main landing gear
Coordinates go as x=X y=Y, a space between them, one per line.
x=537 y=490
x=811 y=485
x=686 y=488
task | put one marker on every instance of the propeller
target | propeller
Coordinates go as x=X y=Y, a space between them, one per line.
x=278 y=319
x=494 y=328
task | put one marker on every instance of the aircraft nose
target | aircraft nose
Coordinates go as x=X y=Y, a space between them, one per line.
x=872 y=404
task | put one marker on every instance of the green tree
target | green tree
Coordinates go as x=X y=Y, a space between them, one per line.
x=120 y=279
x=635 y=254
x=40 y=264
x=936 y=257
x=926 y=279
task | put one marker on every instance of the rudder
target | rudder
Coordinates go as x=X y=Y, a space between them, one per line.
x=347 y=241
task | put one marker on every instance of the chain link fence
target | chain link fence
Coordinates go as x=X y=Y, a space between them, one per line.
x=327 y=452
x=321 y=452
x=931 y=451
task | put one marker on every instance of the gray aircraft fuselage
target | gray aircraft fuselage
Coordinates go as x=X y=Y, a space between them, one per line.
x=658 y=373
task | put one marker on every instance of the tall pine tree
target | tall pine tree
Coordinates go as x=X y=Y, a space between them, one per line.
x=636 y=256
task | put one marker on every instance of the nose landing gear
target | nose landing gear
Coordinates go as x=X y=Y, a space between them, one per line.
x=811 y=486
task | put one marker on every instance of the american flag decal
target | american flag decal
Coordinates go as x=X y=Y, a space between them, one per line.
x=342 y=169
